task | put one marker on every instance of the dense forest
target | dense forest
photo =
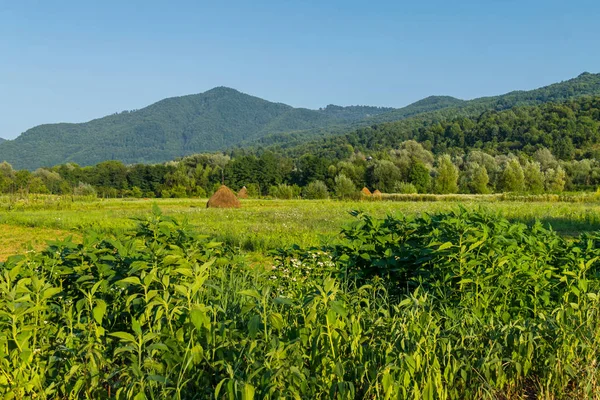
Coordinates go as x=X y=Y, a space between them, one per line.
x=546 y=148
x=174 y=127
x=568 y=129
x=222 y=119
x=441 y=108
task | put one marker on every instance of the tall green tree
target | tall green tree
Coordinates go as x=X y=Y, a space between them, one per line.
x=446 y=179
x=512 y=179
x=385 y=176
x=344 y=187
x=420 y=177
x=533 y=177
x=555 y=180
x=474 y=179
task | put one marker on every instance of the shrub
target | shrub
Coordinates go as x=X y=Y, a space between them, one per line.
x=315 y=190
x=512 y=178
x=253 y=190
x=446 y=179
x=84 y=190
x=344 y=187
x=282 y=191
x=136 y=192
x=405 y=188
x=419 y=176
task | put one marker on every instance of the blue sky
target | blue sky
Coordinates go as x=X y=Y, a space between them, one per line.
x=72 y=61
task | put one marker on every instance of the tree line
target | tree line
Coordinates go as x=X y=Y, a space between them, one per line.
x=545 y=148
x=410 y=168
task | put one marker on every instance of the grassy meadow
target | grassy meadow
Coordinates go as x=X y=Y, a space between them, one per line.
x=443 y=298
x=262 y=225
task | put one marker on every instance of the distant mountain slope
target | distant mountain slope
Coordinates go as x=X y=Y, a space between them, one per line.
x=586 y=84
x=569 y=129
x=439 y=108
x=214 y=120
x=223 y=118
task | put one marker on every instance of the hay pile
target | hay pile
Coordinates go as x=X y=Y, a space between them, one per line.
x=223 y=198
x=377 y=193
x=365 y=191
x=243 y=193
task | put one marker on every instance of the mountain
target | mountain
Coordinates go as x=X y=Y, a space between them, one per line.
x=210 y=121
x=433 y=109
x=224 y=118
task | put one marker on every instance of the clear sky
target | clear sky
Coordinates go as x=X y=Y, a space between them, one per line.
x=75 y=60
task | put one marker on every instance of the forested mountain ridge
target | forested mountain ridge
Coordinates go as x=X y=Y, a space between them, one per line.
x=544 y=148
x=586 y=84
x=224 y=118
x=173 y=127
x=440 y=108
x=570 y=129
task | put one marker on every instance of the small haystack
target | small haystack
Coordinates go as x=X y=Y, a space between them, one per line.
x=377 y=193
x=243 y=193
x=365 y=191
x=223 y=198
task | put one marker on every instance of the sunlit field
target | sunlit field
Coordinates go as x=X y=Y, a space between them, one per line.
x=260 y=224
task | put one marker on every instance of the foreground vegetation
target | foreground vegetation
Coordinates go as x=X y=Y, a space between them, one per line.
x=459 y=304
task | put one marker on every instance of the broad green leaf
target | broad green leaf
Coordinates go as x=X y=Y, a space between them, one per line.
x=99 y=310
x=128 y=337
x=445 y=246
x=251 y=293
x=248 y=393
x=134 y=280
x=276 y=321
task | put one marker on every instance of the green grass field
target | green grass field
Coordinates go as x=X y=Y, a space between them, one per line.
x=442 y=298
x=259 y=225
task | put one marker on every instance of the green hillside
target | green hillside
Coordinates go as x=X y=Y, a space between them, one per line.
x=570 y=129
x=224 y=118
x=214 y=120
x=425 y=112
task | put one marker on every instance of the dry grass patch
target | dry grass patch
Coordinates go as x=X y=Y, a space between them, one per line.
x=19 y=239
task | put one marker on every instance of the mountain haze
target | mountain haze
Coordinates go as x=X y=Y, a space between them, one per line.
x=224 y=118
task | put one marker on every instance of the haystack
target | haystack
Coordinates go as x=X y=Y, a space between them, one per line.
x=365 y=191
x=377 y=193
x=243 y=193
x=223 y=198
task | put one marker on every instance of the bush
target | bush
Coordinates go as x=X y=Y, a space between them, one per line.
x=199 y=192
x=315 y=190
x=253 y=190
x=405 y=188
x=84 y=190
x=284 y=191
x=136 y=192
x=344 y=187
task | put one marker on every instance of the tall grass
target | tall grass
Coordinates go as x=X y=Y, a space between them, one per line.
x=461 y=304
